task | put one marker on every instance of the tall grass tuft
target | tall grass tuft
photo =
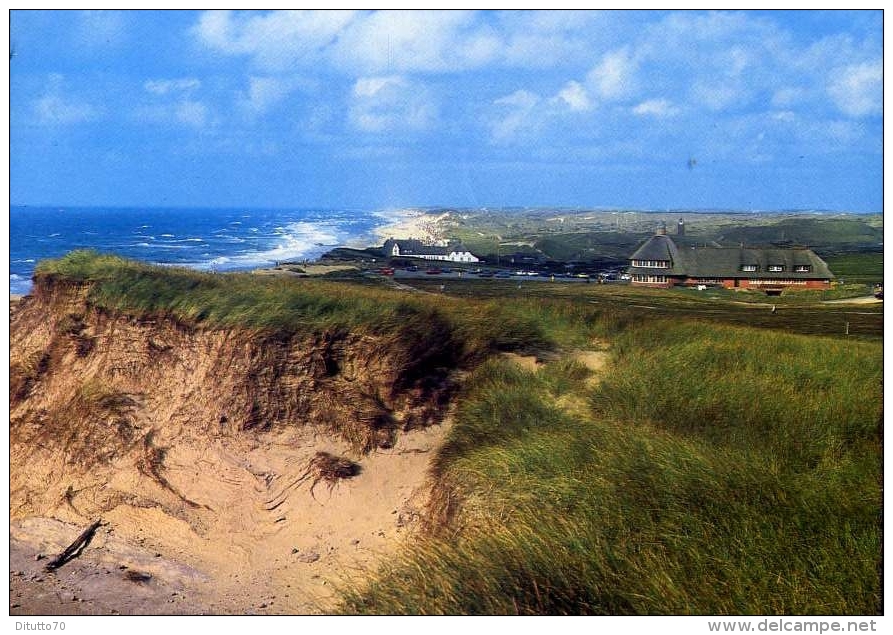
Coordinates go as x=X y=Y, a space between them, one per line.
x=714 y=469
x=472 y=329
x=717 y=470
x=798 y=400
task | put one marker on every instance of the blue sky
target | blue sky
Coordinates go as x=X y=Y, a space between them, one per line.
x=642 y=109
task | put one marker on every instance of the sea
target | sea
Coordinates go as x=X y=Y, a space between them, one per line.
x=205 y=239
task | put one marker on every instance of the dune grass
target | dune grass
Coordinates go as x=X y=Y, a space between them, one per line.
x=225 y=300
x=714 y=470
x=290 y=305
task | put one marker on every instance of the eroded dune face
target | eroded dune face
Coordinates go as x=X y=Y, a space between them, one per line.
x=195 y=444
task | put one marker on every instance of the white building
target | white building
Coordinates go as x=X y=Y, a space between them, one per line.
x=454 y=252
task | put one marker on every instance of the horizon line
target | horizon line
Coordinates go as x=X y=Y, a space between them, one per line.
x=592 y=208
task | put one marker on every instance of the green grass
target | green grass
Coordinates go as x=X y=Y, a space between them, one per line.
x=864 y=268
x=798 y=312
x=807 y=231
x=590 y=245
x=290 y=305
x=714 y=470
x=600 y=235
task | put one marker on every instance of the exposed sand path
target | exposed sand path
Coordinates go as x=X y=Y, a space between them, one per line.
x=869 y=299
x=266 y=545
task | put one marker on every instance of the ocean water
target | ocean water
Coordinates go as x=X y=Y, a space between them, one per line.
x=204 y=239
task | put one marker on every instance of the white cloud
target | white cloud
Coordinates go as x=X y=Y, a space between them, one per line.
x=264 y=94
x=715 y=96
x=656 y=108
x=843 y=132
x=56 y=108
x=415 y=41
x=391 y=41
x=785 y=116
x=191 y=113
x=858 y=90
x=574 y=95
x=516 y=116
x=370 y=86
x=174 y=102
x=787 y=97
x=215 y=30
x=523 y=99
x=165 y=86
x=545 y=39
x=722 y=65
x=391 y=104
x=277 y=40
x=563 y=21
x=615 y=76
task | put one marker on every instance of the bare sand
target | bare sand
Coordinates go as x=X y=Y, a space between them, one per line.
x=262 y=544
x=415 y=224
x=304 y=270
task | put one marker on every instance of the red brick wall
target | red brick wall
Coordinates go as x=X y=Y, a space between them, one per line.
x=729 y=283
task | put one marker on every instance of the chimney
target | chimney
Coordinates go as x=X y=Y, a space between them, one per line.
x=680 y=228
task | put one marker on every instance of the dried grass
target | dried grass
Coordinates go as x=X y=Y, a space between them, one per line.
x=327 y=467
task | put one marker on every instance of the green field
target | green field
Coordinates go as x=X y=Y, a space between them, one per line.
x=862 y=268
x=796 y=312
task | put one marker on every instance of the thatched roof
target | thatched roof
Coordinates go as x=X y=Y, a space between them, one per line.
x=727 y=262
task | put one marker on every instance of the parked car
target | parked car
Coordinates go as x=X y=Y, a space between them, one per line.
x=433 y=271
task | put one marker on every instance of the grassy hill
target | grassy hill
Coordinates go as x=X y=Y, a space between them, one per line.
x=824 y=233
x=726 y=460
x=862 y=268
x=606 y=235
x=709 y=470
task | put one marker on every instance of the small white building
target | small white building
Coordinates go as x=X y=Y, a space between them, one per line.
x=454 y=252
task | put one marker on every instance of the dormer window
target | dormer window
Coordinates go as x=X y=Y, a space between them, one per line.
x=776 y=268
x=652 y=264
x=803 y=268
x=749 y=268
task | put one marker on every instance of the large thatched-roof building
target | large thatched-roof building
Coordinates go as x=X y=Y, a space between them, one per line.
x=661 y=262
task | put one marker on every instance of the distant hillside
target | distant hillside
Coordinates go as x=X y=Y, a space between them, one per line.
x=813 y=232
x=601 y=235
x=589 y=245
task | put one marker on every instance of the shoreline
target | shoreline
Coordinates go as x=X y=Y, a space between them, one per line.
x=418 y=224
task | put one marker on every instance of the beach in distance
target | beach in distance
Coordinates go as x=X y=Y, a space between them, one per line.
x=203 y=239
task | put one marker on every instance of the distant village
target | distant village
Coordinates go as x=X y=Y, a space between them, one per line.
x=661 y=261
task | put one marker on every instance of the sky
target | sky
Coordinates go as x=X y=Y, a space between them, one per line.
x=379 y=109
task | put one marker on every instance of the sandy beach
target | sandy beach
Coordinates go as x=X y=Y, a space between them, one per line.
x=415 y=224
